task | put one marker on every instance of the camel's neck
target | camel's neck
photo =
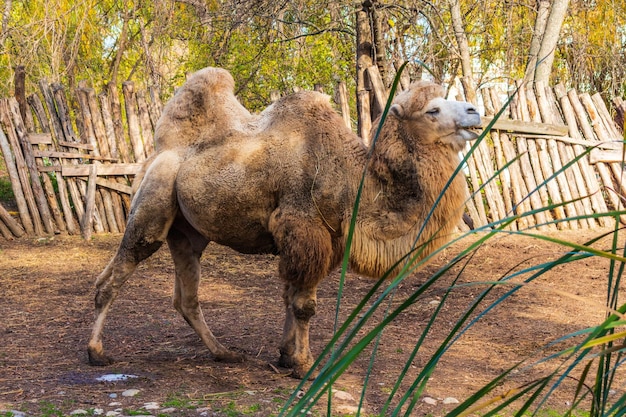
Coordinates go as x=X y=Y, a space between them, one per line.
x=403 y=185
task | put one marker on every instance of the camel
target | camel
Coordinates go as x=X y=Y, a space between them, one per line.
x=285 y=181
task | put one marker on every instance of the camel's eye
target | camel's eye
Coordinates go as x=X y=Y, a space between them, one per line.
x=433 y=112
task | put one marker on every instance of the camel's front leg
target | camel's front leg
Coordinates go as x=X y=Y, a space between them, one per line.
x=295 y=351
x=305 y=249
x=186 y=249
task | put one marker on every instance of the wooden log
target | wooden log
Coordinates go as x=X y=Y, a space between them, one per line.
x=51 y=125
x=341 y=98
x=530 y=167
x=11 y=224
x=109 y=127
x=620 y=112
x=471 y=208
x=116 y=116
x=543 y=165
x=589 y=174
x=365 y=120
x=524 y=126
x=493 y=196
x=605 y=116
x=39 y=138
x=145 y=123
x=480 y=217
x=55 y=128
x=521 y=194
x=35 y=179
x=51 y=196
x=619 y=185
x=88 y=136
x=569 y=153
x=62 y=113
x=70 y=155
x=597 y=155
x=5 y=232
x=109 y=200
x=130 y=103
x=16 y=184
x=379 y=92
x=603 y=169
x=521 y=200
x=154 y=105
x=101 y=214
x=22 y=167
x=100 y=223
x=500 y=161
x=561 y=187
x=76 y=145
x=566 y=154
x=105 y=170
x=90 y=203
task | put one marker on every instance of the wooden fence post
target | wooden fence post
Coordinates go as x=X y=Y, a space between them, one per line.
x=16 y=185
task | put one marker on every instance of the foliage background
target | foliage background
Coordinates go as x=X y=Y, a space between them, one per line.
x=281 y=45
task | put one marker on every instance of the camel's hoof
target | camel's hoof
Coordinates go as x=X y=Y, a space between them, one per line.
x=230 y=357
x=98 y=359
x=298 y=371
x=286 y=361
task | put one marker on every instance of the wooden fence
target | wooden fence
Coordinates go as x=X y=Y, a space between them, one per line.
x=71 y=167
x=71 y=170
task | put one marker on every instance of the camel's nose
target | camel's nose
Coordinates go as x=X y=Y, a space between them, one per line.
x=470 y=109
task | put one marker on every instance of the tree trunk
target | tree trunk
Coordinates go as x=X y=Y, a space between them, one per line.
x=364 y=60
x=545 y=57
x=535 y=43
x=380 y=45
x=466 y=61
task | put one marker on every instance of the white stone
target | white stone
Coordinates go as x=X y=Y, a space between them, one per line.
x=79 y=412
x=151 y=406
x=13 y=413
x=98 y=411
x=168 y=410
x=114 y=404
x=347 y=409
x=429 y=400
x=130 y=392
x=450 y=400
x=343 y=396
x=112 y=413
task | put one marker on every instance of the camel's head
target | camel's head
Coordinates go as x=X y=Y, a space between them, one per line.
x=427 y=115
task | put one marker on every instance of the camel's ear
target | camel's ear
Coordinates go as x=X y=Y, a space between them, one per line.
x=397 y=110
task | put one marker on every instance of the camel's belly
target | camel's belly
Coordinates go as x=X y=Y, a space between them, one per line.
x=228 y=209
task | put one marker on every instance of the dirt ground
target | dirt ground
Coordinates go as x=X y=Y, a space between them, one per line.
x=46 y=306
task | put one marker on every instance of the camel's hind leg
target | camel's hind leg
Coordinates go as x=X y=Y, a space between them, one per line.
x=107 y=286
x=152 y=213
x=186 y=248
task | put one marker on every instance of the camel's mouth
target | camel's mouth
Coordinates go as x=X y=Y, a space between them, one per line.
x=467 y=134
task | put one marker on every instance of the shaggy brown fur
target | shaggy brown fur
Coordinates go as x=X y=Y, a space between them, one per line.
x=285 y=181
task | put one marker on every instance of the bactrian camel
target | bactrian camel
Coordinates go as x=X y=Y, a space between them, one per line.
x=285 y=181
